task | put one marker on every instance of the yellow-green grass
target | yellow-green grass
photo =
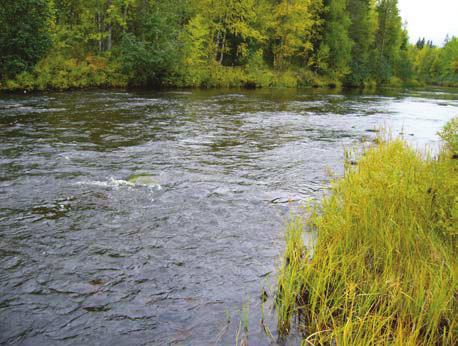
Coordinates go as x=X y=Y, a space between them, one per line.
x=384 y=267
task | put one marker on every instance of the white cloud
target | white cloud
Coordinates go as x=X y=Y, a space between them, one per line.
x=430 y=19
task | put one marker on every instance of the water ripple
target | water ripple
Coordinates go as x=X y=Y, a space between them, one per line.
x=89 y=256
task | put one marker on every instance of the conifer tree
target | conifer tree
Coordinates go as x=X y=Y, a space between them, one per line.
x=362 y=33
x=387 y=40
x=334 y=53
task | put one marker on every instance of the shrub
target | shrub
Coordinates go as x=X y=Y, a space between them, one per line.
x=449 y=135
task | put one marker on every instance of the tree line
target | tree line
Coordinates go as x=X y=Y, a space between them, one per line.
x=59 y=44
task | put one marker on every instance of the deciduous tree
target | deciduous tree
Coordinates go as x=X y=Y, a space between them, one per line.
x=24 y=35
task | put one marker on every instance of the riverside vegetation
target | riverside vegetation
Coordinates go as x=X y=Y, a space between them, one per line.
x=384 y=269
x=62 y=44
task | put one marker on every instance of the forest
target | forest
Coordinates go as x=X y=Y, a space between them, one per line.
x=66 y=44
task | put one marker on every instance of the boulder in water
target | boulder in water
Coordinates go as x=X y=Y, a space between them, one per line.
x=143 y=180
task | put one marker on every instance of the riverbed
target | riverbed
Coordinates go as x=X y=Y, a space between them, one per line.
x=91 y=256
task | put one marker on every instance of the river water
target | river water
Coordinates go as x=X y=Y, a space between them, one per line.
x=180 y=257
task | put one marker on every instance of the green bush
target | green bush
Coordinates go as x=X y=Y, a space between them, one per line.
x=449 y=135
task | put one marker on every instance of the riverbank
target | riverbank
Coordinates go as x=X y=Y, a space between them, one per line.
x=384 y=266
x=57 y=73
x=93 y=71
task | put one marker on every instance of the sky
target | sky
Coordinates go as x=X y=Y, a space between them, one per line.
x=431 y=19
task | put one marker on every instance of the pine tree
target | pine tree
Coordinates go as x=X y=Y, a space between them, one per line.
x=388 y=40
x=362 y=33
x=334 y=54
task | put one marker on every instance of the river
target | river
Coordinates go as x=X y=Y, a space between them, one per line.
x=92 y=255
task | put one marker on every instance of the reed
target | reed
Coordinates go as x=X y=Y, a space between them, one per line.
x=384 y=266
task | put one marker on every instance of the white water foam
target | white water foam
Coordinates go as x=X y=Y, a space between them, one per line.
x=113 y=182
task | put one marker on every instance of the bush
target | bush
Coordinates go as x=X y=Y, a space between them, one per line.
x=450 y=136
x=59 y=72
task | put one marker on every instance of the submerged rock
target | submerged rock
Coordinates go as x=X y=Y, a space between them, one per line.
x=143 y=180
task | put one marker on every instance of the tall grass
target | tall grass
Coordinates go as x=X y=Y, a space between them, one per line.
x=384 y=267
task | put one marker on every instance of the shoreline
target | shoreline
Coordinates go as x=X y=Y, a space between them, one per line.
x=386 y=248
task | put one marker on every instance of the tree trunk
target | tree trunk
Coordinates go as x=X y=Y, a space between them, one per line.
x=125 y=18
x=99 y=22
x=109 y=29
x=222 y=48
x=386 y=15
x=282 y=41
x=224 y=40
x=217 y=40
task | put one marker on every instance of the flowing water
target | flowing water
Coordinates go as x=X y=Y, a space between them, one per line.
x=157 y=218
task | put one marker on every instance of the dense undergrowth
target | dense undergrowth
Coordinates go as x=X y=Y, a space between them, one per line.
x=62 y=73
x=66 y=72
x=384 y=269
x=58 y=71
x=100 y=71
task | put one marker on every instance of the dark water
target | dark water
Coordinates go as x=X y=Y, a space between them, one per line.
x=88 y=258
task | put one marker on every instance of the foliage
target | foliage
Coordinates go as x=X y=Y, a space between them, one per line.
x=292 y=29
x=334 y=55
x=388 y=39
x=449 y=135
x=383 y=269
x=24 y=37
x=57 y=72
x=436 y=65
x=449 y=61
x=362 y=33
x=148 y=57
x=203 y=43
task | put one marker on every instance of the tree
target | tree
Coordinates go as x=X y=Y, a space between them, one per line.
x=362 y=33
x=24 y=36
x=230 y=25
x=387 y=39
x=149 y=55
x=449 y=61
x=404 y=66
x=294 y=26
x=420 y=43
x=334 y=53
x=427 y=63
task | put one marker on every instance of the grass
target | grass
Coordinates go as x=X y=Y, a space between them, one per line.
x=384 y=267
